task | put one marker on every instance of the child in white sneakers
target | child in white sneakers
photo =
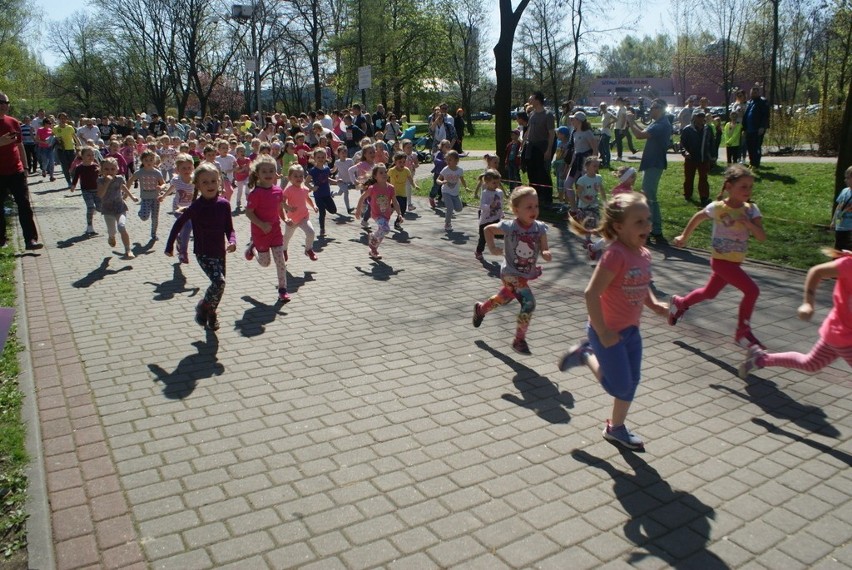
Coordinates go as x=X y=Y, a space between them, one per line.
x=490 y=206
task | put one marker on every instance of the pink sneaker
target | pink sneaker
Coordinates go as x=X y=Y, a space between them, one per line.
x=310 y=253
x=249 y=254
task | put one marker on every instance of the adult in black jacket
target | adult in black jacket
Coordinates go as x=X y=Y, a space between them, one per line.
x=755 y=123
x=699 y=144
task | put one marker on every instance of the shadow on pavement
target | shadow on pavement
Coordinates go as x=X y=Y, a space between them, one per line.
x=180 y=383
x=673 y=526
x=321 y=242
x=62 y=244
x=537 y=393
x=176 y=285
x=99 y=273
x=836 y=453
x=766 y=395
x=456 y=237
x=379 y=270
x=295 y=283
x=256 y=317
x=403 y=237
x=139 y=249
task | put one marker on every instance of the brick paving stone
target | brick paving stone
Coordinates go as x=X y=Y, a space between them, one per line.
x=303 y=440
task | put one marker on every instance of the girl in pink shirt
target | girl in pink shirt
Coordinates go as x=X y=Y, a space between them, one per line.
x=298 y=200
x=836 y=331
x=615 y=297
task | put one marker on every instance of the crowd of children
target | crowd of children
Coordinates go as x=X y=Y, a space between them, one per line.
x=287 y=183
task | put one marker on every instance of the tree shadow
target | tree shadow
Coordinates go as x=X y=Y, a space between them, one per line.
x=537 y=393
x=766 y=395
x=673 y=526
x=379 y=270
x=256 y=317
x=181 y=382
x=836 y=453
x=99 y=273
x=176 y=285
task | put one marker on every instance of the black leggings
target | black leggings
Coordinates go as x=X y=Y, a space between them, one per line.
x=324 y=204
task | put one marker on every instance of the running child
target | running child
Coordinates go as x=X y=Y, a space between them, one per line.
x=319 y=180
x=524 y=239
x=734 y=220
x=450 y=178
x=265 y=210
x=615 y=296
x=400 y=178
x=513 y=160
x=150 y=181
x=383 y=203
x=184 y=190
x=212 y=226
x=87 y=173
x=438 y=164
x=298 y=200
x=345 y=180
x=112 y=190
x=411 y=163
x=241 y=175
x=490 y=206
x=167 y=154
x=226 y=163
x=626 y=176
x=492 y=162
x=835 y=334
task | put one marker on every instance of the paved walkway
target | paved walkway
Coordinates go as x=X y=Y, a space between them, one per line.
x=368 y=424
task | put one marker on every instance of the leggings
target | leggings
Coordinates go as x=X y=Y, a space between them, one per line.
x=514 y=288
x=820 y=356
x=183 y=239
x=150 y=207
x=620 y=364
x=113 y=220
x=727 y=273
x=382 y=229
x=93 y=204
x=305 y=225
x=344 y=190
x=277 y=253
x=324 y=204
x=241 y=189
x=214 y=267
x=451 y=202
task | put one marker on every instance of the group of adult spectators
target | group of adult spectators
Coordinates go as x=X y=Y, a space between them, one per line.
x=699 y=142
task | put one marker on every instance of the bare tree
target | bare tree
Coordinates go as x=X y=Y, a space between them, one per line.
x=309 y=25
x=545 y=47
x=79 y=47
x=464 y=26
x=729 y=17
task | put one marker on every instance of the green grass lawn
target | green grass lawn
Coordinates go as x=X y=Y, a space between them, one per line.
x=13 y=456
x=794 y=198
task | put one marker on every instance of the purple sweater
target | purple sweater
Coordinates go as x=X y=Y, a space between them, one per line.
x=211 y=225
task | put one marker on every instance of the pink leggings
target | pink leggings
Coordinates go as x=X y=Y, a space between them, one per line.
x=820 y=356
x=727 y=273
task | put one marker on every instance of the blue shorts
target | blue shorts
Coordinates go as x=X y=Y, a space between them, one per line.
x=620 y=364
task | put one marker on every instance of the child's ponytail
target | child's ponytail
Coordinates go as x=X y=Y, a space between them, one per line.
x=731 y=175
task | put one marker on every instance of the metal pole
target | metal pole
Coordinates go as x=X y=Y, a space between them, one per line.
x=256 y=53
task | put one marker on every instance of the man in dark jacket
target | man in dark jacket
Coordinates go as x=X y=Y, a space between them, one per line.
x=755 y=123
x=698 y=145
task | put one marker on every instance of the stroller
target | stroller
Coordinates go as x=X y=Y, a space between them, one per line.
x=423 y=148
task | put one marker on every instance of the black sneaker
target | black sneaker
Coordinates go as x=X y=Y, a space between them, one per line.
x=521 y=347
x=201 y=314
x=212 y=321
x=478 y=315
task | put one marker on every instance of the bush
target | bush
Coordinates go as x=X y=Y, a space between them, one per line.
x=804 y=131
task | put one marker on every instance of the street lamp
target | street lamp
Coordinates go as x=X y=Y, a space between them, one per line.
x=246 y=13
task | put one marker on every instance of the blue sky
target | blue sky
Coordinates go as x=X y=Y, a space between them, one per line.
x=654 y=19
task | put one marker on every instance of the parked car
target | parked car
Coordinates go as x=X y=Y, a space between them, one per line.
x=592 y=111
x=481 y=116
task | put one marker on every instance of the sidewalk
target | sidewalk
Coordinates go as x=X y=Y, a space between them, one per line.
x=368 y=424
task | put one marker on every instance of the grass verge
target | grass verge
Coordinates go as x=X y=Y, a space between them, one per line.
x=13 y=455
x=794 y=198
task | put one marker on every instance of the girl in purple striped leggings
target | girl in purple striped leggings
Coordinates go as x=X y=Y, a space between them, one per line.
x=836 y=331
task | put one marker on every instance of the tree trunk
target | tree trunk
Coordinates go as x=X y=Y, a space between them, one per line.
x=503 y=69
x=844 y=154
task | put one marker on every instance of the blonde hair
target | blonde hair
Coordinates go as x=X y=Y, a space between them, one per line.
x=615 y=212
x=519 y=194
x=255 y=166
x=295 y=168
x=204 y=168
x=731 y=175
x=110 y=160
x=183 y=158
